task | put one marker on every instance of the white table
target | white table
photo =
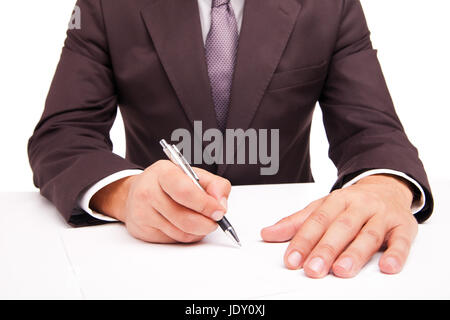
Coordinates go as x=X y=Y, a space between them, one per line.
x=41 y=257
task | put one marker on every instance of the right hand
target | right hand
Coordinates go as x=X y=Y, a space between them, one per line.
x=163 y=205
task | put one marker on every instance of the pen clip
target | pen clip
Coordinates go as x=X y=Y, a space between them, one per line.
x=186 y=164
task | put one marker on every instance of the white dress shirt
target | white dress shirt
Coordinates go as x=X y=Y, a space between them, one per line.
x=205 y=21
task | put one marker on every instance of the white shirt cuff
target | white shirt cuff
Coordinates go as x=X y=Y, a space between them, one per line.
x=85 y=198
x=416 y=206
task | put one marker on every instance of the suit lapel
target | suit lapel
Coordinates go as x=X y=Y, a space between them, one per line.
x=266 y=28
x=174 y=27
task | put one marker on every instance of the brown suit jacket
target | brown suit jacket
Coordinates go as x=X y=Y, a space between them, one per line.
x=147 y=57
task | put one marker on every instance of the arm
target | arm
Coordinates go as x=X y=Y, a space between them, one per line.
x=71 y=153
x=362 y=126
x=343 y=230
x=70 y=148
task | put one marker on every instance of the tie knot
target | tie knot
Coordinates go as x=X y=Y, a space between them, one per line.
x=218 y=3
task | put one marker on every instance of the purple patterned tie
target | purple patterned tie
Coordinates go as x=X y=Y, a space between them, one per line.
x=221 y=48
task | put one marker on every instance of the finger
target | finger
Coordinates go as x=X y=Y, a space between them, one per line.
x=181 y=217
x=399 y=245
x=149 y=234
x=184 y=191
x=340 y=233
x=286 y=228
x=312 y=230
x=150 y=219
x=152 y=234
x=214 y=185
x=175 y=233
x=366 y=244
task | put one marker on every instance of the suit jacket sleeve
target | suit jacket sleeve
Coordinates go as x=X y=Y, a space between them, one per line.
x=70 y=148
x=362 y=126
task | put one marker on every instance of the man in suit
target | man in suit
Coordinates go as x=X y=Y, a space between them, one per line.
x=260 y=64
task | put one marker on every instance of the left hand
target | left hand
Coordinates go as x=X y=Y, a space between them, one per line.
x=343 y=230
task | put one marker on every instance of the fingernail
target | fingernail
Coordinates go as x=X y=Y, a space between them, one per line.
x=345 y=263
x=224 y=203
x=316 y=264
x=217 y=215
x=392 y=263
x=294 y=259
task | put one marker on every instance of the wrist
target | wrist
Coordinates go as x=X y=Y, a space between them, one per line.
x=111 y=199
x=401 y=188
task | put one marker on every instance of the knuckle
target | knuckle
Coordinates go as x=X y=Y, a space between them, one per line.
x=302 y=243
x=327 y=249
x=320 y=217
x=345 y=222
x=203 y=207
x=373 y=235
x=163 y=169
x=358 y=255
x=184 y=189
x=401 y=241
x=158 y=165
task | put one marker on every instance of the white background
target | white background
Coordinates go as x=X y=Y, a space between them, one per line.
x=412 y=37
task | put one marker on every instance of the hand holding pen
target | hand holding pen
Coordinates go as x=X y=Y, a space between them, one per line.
x=177 y=158
x=163 y=205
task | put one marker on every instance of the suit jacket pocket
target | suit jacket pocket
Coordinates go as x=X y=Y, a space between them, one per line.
x=298 y=77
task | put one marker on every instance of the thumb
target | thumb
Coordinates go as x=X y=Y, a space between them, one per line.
x=214 y=185
x=287 y=227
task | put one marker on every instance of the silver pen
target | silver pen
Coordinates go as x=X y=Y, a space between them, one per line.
x=177 y=158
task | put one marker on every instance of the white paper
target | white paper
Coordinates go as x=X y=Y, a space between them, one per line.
x=110 y=264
